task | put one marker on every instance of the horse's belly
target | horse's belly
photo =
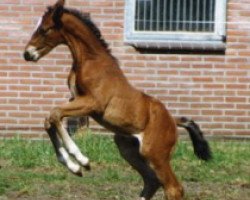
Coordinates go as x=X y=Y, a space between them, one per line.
x=125 y=114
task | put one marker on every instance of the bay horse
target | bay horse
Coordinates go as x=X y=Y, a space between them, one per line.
x=145 y=132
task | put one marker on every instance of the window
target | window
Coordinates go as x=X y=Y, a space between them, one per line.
x=177 y=24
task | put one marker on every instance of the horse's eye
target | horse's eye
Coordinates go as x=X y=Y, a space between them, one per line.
x=44 y=31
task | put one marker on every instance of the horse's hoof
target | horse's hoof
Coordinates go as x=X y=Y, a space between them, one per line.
x=79 y=173
x=87 y=167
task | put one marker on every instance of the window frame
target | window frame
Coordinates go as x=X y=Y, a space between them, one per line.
x=176 y=40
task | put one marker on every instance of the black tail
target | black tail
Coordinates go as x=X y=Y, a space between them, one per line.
x=201 y=146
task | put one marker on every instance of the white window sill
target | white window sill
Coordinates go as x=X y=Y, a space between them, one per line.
x=180 y=45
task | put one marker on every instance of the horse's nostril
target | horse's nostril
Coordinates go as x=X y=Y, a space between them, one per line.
x=27 y=56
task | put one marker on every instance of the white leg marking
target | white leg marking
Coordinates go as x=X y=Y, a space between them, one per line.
x=143 y=198
x=72 y=147
x=140 y=138
x=75 y=168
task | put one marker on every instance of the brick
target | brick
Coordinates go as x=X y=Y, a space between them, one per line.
x=236 y=86
x=189 y=112
x=169 y=58
x=19 y=101
x=225 y=93
x=202 y=66
x=42 y=101
x=113 y=24
x=212 y=112
x=167 y=72
x=222 y=119
x=201 y=92
x=10 y=1
x=19 y=87
x=213 y=99
x=19 y=114
x=236 y=113
x=236 y=99
x=134 y=64
x=235 y=126
x=203 y=79
x=20 y=74
x=224 y=132
x=8 y=121
x=101 y=4
x=189 y=73
x=29 y=121
x=191 y=58
x=214 y=59
x=41 y=89
x=8 y=94
x=214 y=86
x=31 y=81
x=32 y=94
x=190 y=99
x=213 y=126
x=223 y=105
x=39 y=115
x=201 y=106
x=29 y=108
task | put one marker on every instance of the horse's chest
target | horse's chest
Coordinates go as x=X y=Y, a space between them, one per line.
x=77 y=84
x=72 y=84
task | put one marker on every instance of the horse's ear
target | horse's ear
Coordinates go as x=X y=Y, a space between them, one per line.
x=60 y=3
x=57 y=13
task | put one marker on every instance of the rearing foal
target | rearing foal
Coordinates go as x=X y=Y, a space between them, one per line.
x=145 y=132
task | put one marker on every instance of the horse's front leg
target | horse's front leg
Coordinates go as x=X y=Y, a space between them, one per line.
x=61 y=153
x=80 y=106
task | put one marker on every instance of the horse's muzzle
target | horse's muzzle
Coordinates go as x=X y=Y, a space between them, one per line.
x=27 y=56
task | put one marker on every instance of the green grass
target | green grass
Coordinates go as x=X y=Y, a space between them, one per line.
x=30 y=170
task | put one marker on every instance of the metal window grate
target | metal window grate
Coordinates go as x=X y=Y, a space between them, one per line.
x=175 y=15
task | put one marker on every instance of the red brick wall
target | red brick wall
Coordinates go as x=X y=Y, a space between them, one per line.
x=212 y=89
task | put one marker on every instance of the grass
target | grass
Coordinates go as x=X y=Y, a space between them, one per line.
x=30 y=171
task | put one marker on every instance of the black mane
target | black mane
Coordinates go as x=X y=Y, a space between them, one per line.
x=86 y=19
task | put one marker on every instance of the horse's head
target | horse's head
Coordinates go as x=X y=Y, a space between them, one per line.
x=47 y=34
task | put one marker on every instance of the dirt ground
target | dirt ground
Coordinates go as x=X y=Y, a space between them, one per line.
x=193 y=190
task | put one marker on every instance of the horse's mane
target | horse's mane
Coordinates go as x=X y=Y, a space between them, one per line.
x=86 y=20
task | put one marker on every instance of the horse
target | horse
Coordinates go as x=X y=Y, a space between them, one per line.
x=145 y=131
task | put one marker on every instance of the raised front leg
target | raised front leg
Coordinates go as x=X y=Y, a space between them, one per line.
x=80 y=106
x=61 y=153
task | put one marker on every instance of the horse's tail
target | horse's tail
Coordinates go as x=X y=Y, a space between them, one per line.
x=201 y=146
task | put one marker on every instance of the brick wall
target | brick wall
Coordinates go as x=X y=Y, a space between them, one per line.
x=213 y=89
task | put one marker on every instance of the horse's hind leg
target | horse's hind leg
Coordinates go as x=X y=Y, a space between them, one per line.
x=160 y=161
x=129 y=150
x=158 y=141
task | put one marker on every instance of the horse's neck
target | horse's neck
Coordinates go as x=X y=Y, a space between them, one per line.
x=80 y=52
x=82 y=43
